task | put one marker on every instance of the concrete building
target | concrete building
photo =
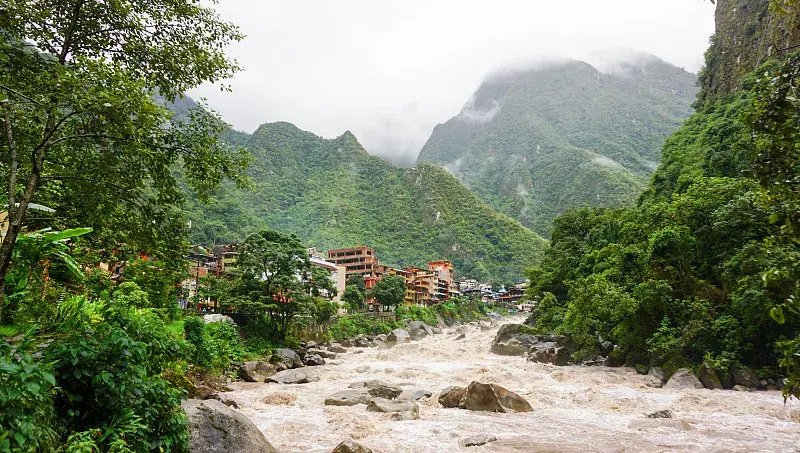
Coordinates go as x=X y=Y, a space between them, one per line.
x=338 y=277
x=360 y=261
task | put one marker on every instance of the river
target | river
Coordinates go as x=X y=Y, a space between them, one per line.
x=576 y=408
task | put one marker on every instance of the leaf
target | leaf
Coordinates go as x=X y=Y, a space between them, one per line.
x=777 y=314
x=65 y=234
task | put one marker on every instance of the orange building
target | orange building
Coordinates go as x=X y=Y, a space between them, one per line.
x=359 y=261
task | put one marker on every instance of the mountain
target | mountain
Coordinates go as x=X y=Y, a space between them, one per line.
x=332 y=193
x=534 y=142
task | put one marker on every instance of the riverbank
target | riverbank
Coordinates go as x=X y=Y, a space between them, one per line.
x=575 y=408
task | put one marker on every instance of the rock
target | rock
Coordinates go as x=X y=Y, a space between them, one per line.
x=658 y=373
x=362 y=369
x=372 y=383
x=325 y=354
x=257 y=371
x=414 y=395
x=461 y=337
x=418 y=330
x=348 y=446
x=227 y=401
x=405 y=415
x=683 y=379
x=348 y=398
x=288 y=357
x=437 y=331
x=218 y=318
x=297 y=376
x=513 y=339
x=397 y=336
x=493 y=398
x=666 y=413
x=347 y=343
x=762 y=384
x=385 y=391
x=556 y=355
x=216 y=428
x=740 y=388
x=362 y=341
x=383 y=405
x=202 y=392
x=451 y=396
x=311 y=345
x=642 y=369
x=708 y=377
x=313 y=360
x=381 y=338
x=337 y=348
x=744 y=376
x=477 y=441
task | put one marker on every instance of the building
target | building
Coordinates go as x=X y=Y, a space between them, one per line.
x=227 y=256
x=338 y=277
x=358 y=261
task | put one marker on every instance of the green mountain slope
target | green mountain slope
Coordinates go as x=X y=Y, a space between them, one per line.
x=536 y=142
x=332 y=193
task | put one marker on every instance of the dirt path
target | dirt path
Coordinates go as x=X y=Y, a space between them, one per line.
x=575 y=408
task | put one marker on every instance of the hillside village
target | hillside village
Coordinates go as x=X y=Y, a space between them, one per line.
x=424 y=286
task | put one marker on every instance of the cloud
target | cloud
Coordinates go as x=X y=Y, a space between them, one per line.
x=391 y=70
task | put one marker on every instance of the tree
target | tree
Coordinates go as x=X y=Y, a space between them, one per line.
x=157 y=278
x=276 y=275
x=390 y=291
x=353 y=298
x=83 y=130
x=358 y=281
x=321 y=281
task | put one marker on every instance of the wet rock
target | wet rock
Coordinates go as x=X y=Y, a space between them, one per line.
x=642 y=369
x=683 y=379
x=384 y=391
x=361 y=369
x=202 y=392
x=397 y=336
x=313 y=360
x=493 y=398
x=325 y=354
x=461 y=337
x=218 y=318
x=708 y=377
x=513 y=339
x=362 y=341
x=337 y=348
x=414 y=395
x=257 y=371
x=418 y=330
x=740 y=388
x=390 y=406
x=348 y=446
x=555 y=355
x=216 y=428
x=296 y=376
x=666 y=413
x=405 y=415
x=382 y=337
x=477 y=441
x=762 y=384
x=347 y=343
x=437 y=331
x=451 y=396
x=744 y=376
x=288 y=357
x=658 y=373
x=372 y=383
x=348 y=398
x=226 y=400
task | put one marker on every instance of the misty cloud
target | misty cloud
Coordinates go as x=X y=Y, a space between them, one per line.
x=389 y=71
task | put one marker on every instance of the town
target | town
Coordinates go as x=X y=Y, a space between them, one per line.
x=424 y=287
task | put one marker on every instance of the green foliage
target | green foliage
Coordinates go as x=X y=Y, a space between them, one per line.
x=418 y=313
x=534 y=143
x=389 y=291
x=332 y=193
x=352 y=325
x=353 y=298
x=157 y=278
x=224 y=345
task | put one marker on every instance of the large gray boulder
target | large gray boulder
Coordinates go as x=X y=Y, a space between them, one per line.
x=348 y=398
x=257 y=371
x=408 y=409
x=288 y=357
x=708 y=377
x=384 y=391
x=313 y=360
x=744 y=376
x=493 y=398
x=477 y=441
x=414 y=395
x=216 y=428
x=324 y=353
x=418 y=330
x=397 y=336
x=513 y=339
x=452 y=396
x=348 y=446
x=555 y=355
x=296 y=376
x=683 y=379
x=336 y=348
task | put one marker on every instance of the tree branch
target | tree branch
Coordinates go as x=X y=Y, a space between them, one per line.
x=12 y=173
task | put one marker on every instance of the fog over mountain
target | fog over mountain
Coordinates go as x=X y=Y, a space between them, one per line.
x=390 y=71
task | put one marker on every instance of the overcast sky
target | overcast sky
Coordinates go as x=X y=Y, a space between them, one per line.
x=391 y=70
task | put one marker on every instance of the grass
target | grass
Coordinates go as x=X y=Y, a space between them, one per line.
x=176 y=327
x=9 y=331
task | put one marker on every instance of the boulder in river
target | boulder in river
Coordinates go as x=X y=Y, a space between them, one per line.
x=642 y=369
x=513 y=339
x=384 y=391
x=493 y=398
x=462 y=336
x=418 y=330
x=452 y=396
x=216 y=428
x=297 y=376
x=348 y=398
x=394 y=406
x=313 y=360
x=257 y=371
x=555 y=355
x=683 y=379
x=348 y=446
x=324 y=353
x=658 y=373
x=477 y=441
x=437 y=331
x=337 y=348
x=666 y=413
x=740 y=388
x=744 y=376
x=708 y=377
x=397 y=336
x=290 y=358
x=414 y=395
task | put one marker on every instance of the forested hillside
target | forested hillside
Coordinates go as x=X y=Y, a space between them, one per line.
x=332 y=193
x=533 y=143
x=706 y=267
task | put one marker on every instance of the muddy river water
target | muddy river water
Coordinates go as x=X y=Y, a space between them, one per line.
x=576 y=408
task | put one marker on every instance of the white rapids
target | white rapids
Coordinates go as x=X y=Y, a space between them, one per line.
x=576 y=408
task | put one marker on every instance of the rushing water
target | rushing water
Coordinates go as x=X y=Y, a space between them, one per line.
x=575 y=408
